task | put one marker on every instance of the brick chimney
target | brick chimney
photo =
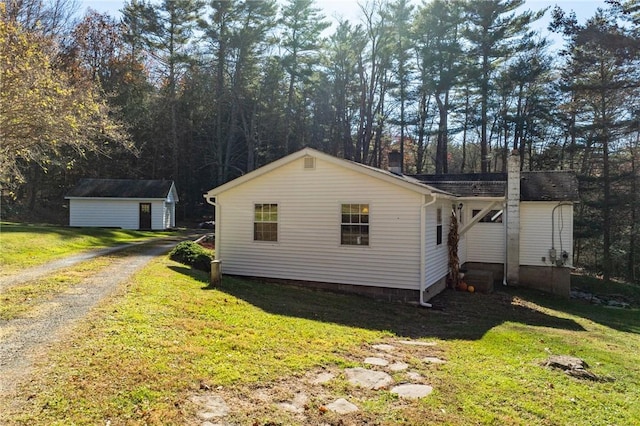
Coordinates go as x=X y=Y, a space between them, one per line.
x=513 y=219
x=395 y=162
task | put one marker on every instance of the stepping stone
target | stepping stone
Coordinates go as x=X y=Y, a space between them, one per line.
x=412 y=391
x=384 y=348
x=412 y=375
x=398 y=366
x=212 y=406
x=376 y=361
x=323 y=378
x=417 y=343
x=342 y=406
x=433 y=360
x=368 y=379
x=297 y=405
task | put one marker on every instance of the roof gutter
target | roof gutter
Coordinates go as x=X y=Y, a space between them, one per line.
x=423 y=249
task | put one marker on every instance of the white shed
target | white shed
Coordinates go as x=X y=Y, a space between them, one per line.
x=310 y=217
x=123 y=203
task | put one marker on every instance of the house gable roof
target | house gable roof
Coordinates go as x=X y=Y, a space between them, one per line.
x=123 y=188
x=534 y=186
x=407 y=182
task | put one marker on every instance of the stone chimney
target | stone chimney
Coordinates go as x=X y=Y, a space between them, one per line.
x=395 y=162
x=513 y=219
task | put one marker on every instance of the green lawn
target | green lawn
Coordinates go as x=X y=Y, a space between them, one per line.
x=23 y=245
x=140 y=357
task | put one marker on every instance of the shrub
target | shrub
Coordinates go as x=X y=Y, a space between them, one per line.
x=192 y=254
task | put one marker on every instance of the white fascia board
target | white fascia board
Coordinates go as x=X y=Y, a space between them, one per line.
x=174 y=191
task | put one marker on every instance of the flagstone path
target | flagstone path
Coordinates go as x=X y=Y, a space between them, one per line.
x=385 y=370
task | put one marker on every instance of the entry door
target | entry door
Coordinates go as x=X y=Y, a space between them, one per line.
x=145 y=215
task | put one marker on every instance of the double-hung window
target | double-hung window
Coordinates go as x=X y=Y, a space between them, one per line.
x=354 y=225
x=265 y=222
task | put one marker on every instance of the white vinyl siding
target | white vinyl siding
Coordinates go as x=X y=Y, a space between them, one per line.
x=436 y=255
x=535 y=232
x=114 y=213
x=485 y=241
x=309 y=224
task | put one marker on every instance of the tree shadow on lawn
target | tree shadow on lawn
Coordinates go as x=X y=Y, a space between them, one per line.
x=456 y=315
x=626 y=320
x=102 y=236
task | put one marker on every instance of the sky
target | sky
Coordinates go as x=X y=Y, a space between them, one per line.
x=349 y=9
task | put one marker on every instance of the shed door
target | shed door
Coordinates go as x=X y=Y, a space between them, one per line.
x=145 y=215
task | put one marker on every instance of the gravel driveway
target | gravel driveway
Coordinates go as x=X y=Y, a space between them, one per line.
x=22 y=340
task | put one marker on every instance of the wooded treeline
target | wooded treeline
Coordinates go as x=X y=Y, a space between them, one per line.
x=202 y=92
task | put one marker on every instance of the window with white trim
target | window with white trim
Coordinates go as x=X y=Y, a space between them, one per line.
x=354 y=225
x=265 y=222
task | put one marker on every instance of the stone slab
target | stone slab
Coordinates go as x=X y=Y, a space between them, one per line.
x=368 y=379
x=412 y=391
x=342 y=406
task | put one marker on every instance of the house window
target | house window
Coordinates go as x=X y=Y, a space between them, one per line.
x=354 y=226
x=439 y=226
x=494 y=216
x=265 y=222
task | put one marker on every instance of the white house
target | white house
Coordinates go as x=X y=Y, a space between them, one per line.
x=316 y=219
x=123 y=203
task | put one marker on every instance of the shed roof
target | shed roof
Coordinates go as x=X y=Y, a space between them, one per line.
x=121 y=188
x=534 y=186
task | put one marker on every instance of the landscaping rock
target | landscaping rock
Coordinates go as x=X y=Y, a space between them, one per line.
x=574 y=366
x=342 y=406
x=376 y=361
x=368 y=379
x=398 y=366
x=411 y=391
x=384 y=348
x=323 y=378
x=412 y=375
x=297 y=404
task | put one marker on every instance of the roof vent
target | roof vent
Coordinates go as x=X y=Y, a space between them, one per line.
x=309 y=163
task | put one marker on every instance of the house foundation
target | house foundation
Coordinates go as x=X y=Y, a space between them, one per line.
x=377 y=293
x=550 y=279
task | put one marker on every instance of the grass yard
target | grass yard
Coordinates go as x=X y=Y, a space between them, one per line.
x=142 y=356
x=24 y=245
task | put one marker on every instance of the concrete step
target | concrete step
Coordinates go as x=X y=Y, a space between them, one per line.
x=482 y=281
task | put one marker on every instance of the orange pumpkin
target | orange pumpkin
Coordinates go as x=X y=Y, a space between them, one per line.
x=471 y=289
x=462 y=286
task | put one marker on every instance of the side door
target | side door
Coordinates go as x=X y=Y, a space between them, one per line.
x=145 y=216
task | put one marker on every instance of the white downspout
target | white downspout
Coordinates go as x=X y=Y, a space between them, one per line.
x=423 y=249
x=213 y=202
